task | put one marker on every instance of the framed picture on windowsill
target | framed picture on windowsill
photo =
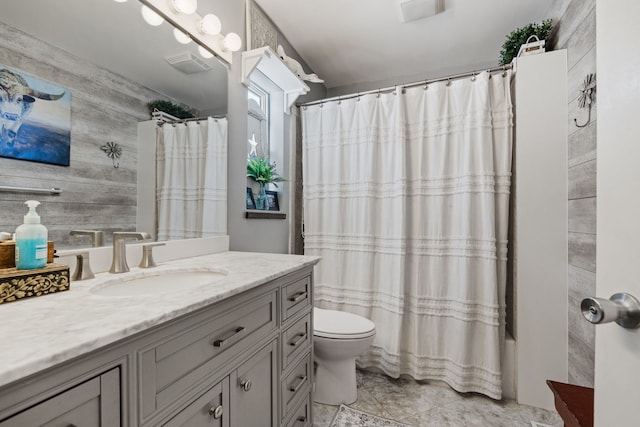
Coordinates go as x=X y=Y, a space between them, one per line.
x=251 y=203
x=272 y=200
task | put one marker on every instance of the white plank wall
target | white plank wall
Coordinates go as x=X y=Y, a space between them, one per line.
x=104 y=107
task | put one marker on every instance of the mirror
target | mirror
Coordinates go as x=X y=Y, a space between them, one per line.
x=113 y=63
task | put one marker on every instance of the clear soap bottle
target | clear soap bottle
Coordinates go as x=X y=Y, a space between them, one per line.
x=31 y=240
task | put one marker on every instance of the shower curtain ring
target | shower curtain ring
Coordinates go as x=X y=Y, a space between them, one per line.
x=448 y=82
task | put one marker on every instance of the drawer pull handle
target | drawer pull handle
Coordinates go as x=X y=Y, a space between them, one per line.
x=245 y=385
x=223 y=341
x=301 y=421
x=216 y=412
x=300 y=338
x=303 y=379
x=298 y=297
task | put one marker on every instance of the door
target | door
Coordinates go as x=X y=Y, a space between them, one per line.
x=211 y=409
x=617 y=368
x=95 y=402
x=254 y=390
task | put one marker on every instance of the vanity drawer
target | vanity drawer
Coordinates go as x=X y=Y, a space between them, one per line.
x=296 y=340
x=172 y=367
x=302 y=416
x=296 y=297
x=296 y=384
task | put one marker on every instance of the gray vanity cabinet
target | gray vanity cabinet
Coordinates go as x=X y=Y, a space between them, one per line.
x=95 y=402
x=244 y=361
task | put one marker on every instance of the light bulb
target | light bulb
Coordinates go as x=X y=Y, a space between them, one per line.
x=232 y=42
x=181 y=37
x=185 y=6
x=120 y=1
x=210 y=24
x=204 y=52
x=151 y=17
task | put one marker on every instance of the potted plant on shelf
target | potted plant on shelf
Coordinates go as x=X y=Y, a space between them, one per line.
x=519 y=36
x=261 y=171
x=170 y=108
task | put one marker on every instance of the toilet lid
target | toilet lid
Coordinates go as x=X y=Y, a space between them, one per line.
x=340 y=324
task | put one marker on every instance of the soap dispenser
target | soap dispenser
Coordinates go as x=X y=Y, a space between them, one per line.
x=31 y=240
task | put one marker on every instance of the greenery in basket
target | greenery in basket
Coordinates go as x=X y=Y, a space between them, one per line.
x=519 y=36
x=261 y=171
x=169 y=108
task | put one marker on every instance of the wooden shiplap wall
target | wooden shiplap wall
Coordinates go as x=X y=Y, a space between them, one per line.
x=104 y=107
x=575 y=22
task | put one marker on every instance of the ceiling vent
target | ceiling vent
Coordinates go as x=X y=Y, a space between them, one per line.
x=412 y=10
x=187 y=63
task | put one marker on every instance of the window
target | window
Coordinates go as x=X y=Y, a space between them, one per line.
x=258 y=122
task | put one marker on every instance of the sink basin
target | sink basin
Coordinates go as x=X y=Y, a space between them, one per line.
x=156 y=282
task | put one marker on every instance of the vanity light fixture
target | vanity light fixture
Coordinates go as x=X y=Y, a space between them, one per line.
x=185 y=6
x=204 y=52
x=181 y=37
x=120 y=1
x=210 y=24
x=151 y=17
x=205 y=30
x=232 y=42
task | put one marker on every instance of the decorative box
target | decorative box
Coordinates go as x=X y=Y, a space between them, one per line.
x=8 y=254
x=18 y=284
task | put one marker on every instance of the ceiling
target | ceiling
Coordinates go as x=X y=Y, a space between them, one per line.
x=114 y=36
x=348 y=42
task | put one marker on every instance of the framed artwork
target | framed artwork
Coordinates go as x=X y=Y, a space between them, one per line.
x=272 y=200
x=35 y=119
x=251 y=203
x=260 y=30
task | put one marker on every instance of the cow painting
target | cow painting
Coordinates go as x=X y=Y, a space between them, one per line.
x=42 y=137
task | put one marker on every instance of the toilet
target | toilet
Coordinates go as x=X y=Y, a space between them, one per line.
x=339 y=337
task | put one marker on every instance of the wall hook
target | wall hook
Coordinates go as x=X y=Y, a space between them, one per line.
x=113 y=151
x=587 y=97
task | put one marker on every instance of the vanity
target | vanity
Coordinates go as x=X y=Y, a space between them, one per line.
x=229 y=346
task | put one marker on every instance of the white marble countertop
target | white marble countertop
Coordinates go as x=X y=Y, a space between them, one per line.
x=41 y=332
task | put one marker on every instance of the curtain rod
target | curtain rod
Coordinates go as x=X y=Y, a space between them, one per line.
x=406 y=85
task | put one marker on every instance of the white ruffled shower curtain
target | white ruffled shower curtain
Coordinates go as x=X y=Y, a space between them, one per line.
x=191 y=179
x=406 y=200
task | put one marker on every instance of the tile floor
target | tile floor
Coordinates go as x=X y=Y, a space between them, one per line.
x=434 y=404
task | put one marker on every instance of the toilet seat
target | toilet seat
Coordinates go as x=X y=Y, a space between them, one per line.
x=341 y=325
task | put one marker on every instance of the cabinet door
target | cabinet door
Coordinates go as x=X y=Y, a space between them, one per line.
x=254 y=388
x=211 y=409
x=93 y=403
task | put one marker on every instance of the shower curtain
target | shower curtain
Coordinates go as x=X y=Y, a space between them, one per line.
x=191 y=179
x=406 y=200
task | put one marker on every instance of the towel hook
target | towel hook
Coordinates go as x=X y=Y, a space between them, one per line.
x=587 y=97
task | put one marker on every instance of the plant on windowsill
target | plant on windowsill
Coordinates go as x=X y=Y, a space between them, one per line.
x=261 y=171
x=519 y=36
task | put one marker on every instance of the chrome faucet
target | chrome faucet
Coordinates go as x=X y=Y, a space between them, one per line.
x=119 y=264
x=97 y=237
